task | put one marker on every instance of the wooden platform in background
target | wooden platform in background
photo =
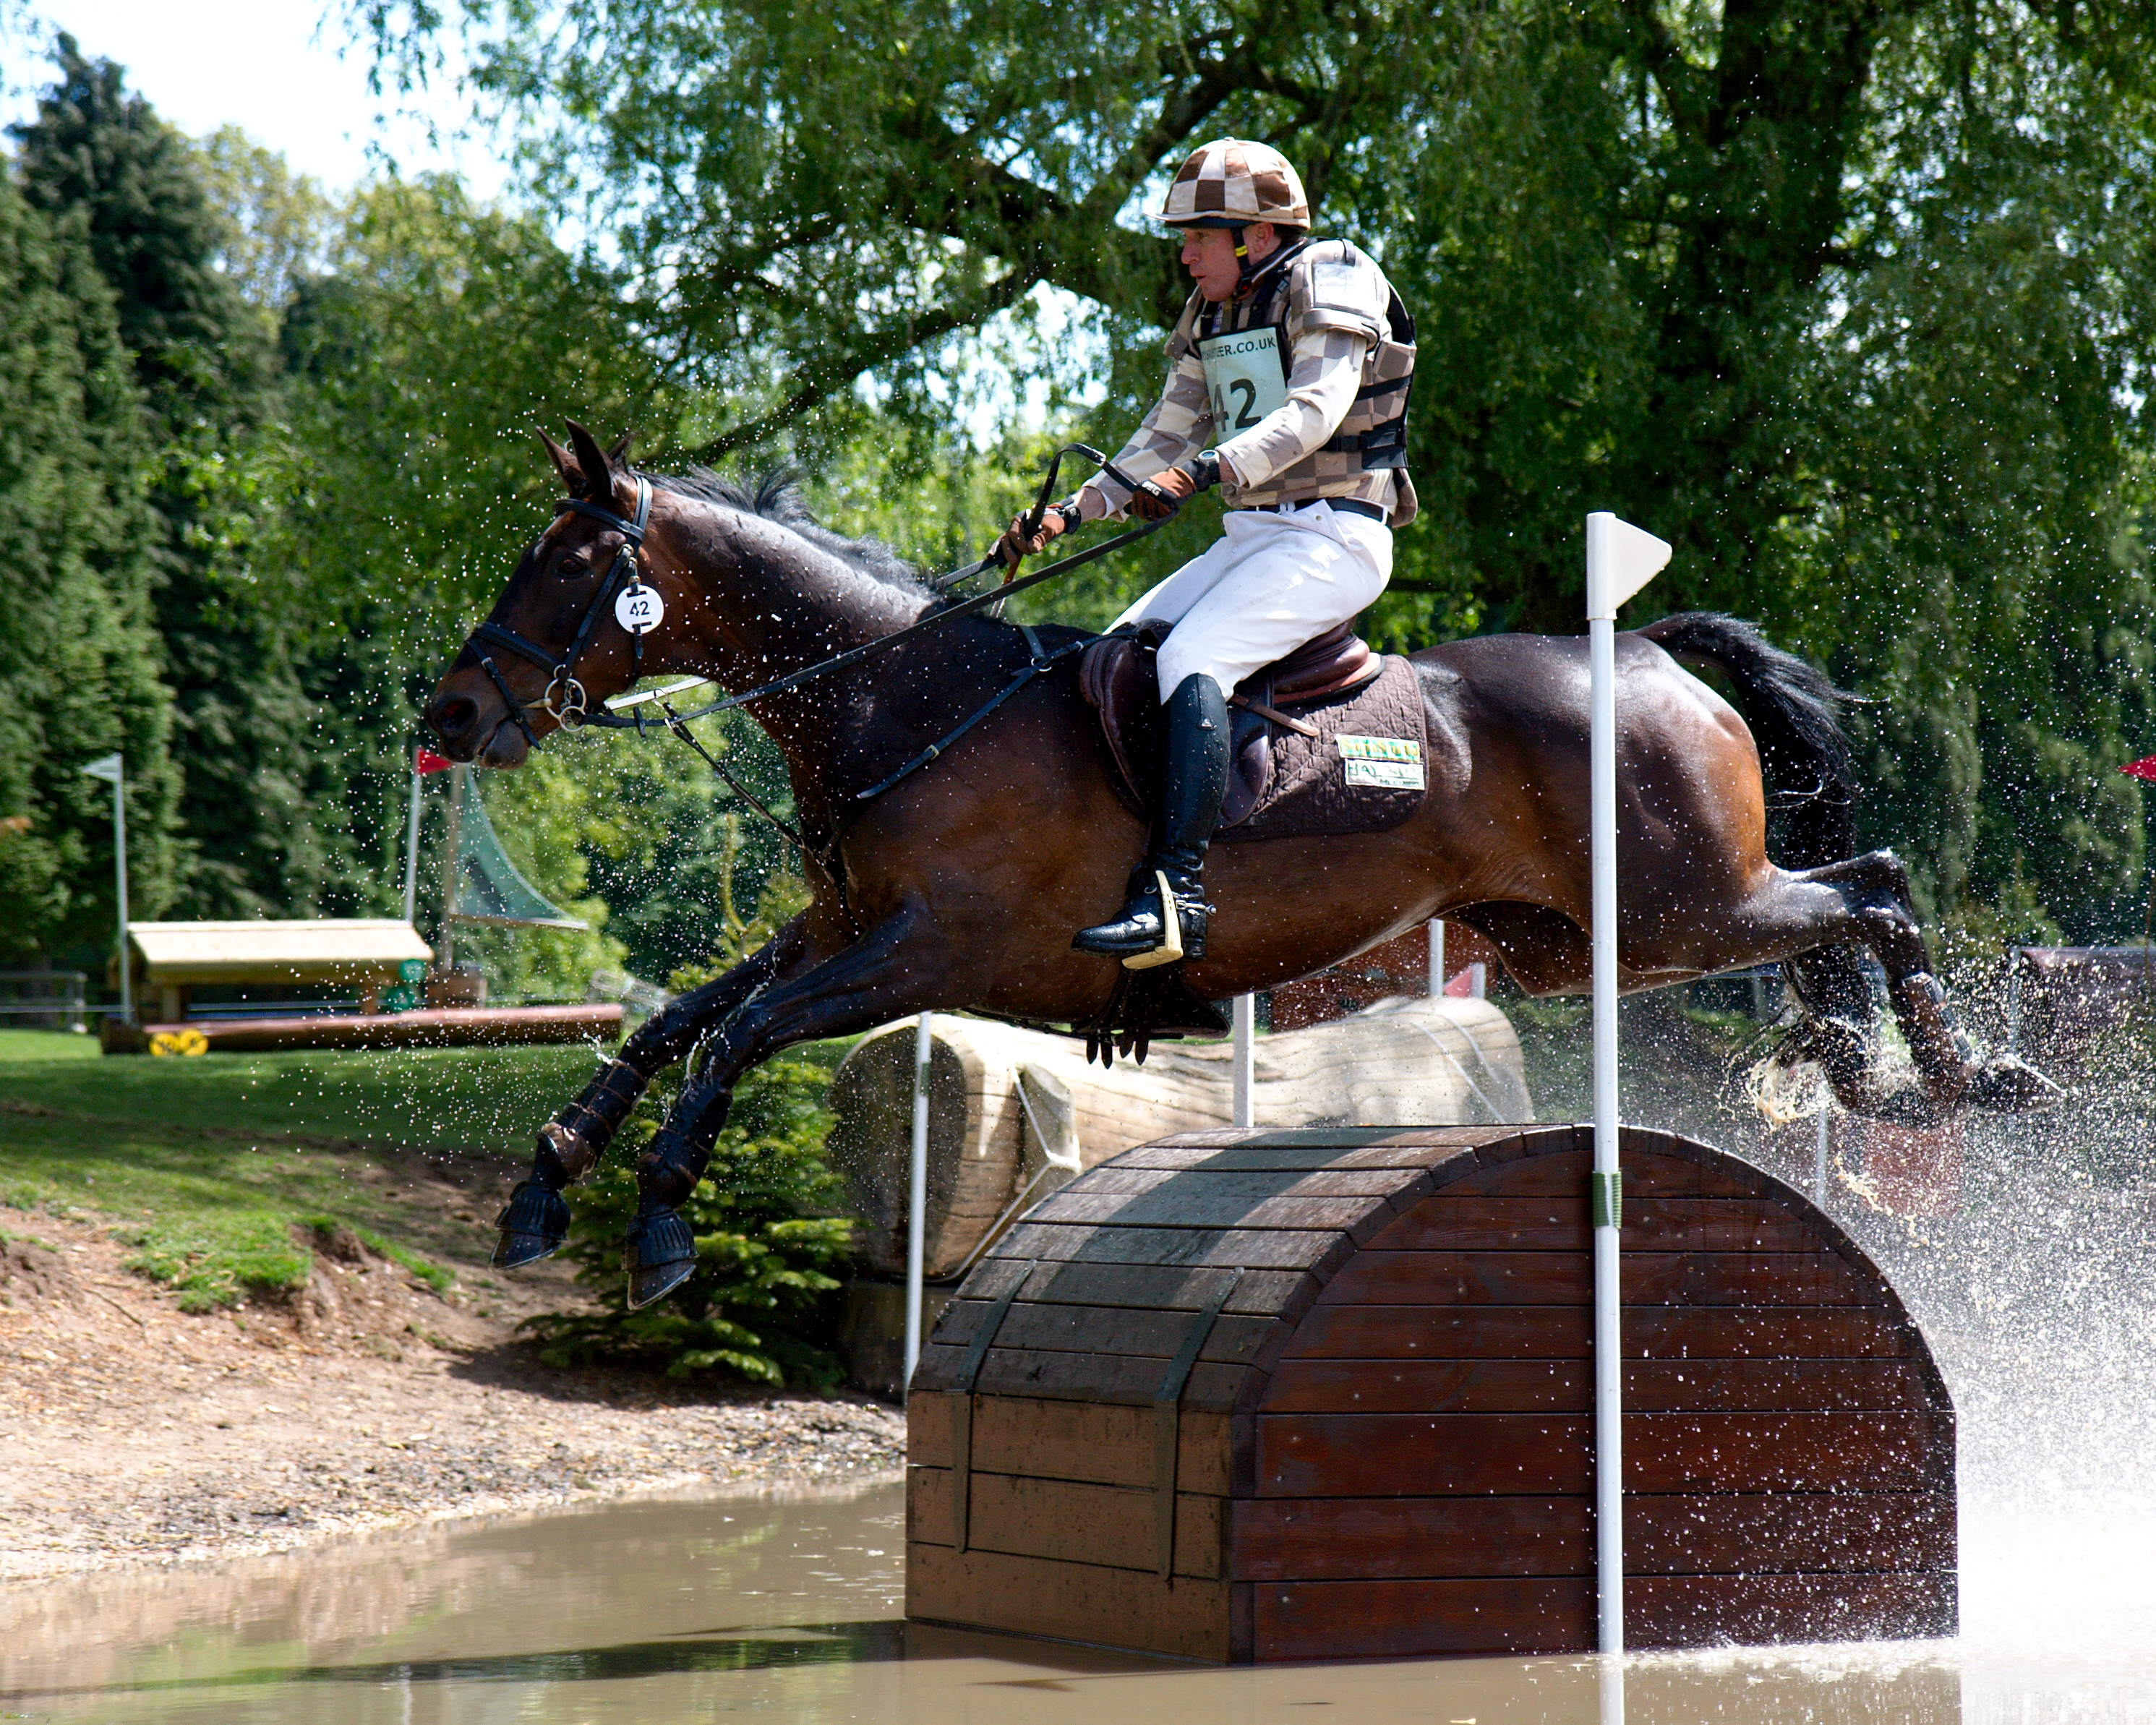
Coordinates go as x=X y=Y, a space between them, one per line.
x=447 y=1027
x=1323 y=1394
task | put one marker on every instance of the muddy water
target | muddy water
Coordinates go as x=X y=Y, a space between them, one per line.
x=692 y=1608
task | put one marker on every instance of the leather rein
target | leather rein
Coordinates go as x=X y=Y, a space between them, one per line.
x=566 y=703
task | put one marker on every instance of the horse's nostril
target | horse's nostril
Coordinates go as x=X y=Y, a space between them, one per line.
x=455 y=717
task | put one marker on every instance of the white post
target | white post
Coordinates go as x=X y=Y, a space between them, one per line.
x=113 y=769
x=917 y=1200
x=1436 y=957
x=412 y=848
x=1246 y=1027
x=1620 y=560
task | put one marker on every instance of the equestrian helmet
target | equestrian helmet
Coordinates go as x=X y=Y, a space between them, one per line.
x=1232 y=183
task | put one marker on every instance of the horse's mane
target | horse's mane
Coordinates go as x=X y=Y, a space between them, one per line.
x=776 y=496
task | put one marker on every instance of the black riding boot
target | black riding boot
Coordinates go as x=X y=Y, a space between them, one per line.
x=1164 y=917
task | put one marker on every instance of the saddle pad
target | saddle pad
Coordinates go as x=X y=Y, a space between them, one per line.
x=1366 y=770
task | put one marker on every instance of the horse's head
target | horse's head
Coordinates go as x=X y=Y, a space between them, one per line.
x=553 y=647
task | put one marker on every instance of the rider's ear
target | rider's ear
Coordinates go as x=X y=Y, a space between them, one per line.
x=601 y=470
x=565 y=463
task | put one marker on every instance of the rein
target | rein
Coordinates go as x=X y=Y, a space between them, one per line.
x=572 y=708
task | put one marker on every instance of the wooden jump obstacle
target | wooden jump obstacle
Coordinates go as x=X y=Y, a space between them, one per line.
x=1257 y=1395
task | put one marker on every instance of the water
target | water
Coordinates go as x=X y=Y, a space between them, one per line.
x=695 y=1607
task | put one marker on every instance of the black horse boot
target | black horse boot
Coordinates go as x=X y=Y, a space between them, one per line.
x=659 y=1252
x=1163 y=919
x=535 y=1221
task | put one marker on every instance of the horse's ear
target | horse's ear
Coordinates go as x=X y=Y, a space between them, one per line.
x=565 y=463
x=617 y=455
x=598 y=468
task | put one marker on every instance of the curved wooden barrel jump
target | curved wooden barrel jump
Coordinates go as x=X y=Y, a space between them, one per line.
x=1325 y=1394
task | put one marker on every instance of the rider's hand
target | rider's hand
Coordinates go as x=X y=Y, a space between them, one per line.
x=1174 y=481
x=1016 y=543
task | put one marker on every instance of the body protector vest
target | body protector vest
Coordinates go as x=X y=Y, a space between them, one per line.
x=1246 y=347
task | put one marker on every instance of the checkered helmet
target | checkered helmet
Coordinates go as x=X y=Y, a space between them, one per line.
x=1232 y=183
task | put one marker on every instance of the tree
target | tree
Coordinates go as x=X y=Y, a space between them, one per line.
x=97 y=155
x=1837 y=295
x=78 y=653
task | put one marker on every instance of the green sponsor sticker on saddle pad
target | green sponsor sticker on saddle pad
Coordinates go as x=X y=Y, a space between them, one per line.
x=1388 y=763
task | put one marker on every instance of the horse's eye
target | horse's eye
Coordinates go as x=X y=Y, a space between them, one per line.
x=575 y=563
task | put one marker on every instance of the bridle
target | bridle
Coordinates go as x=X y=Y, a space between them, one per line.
x=565 y=701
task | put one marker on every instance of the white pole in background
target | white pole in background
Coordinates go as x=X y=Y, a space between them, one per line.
x=1246 y=1027
x=1436 y=957
x=412 y=848
x=1620 y=560
x=917 y=1201
x=113 y=769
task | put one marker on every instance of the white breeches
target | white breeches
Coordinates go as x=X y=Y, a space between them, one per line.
x=1269 y=583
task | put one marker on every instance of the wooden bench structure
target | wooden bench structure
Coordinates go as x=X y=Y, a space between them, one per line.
x=1292 y=1395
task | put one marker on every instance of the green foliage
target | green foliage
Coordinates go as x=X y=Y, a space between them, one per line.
x=1845 y=301
x=99 y=161
x=766 y=1238
x=79 y=655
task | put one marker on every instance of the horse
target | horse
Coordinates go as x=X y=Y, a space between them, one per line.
x=957 y=887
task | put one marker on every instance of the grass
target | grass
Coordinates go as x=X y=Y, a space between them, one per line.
x=221 y=1170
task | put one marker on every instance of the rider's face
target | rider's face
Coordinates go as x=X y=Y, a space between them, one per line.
x=1208 y=253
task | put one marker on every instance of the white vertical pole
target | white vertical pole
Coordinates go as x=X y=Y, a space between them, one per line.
x=412 y=848
x=917 y=1198
x=1608 y=1342
x=1437 y=956
x=1246 y=1026
x=120 y=867
x=1620 y=560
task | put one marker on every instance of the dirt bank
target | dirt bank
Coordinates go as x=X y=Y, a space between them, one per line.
x=131 y=1431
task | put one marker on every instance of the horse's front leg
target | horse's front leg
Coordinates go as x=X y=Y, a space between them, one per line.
x=535 y=1218
x=899 y=966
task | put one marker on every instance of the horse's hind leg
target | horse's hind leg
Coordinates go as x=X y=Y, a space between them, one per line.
x=1837 y=995
x=535 y=1218
x=898 y=968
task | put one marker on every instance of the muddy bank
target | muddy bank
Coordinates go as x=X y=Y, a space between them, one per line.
x=131 y=1432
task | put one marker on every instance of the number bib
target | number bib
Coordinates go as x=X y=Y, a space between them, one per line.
x=1245 y=376
x=640 y=609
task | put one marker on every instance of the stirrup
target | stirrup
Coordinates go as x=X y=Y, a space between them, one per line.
x=1170 y=949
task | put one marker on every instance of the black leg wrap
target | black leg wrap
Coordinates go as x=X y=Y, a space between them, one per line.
x=577 y=1136
x=533 y=1225
x=659 y=1254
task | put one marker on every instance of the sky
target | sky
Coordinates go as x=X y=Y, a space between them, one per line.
x=279 y=71
x=287 y=75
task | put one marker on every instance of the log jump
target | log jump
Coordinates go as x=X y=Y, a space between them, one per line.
x=1250 y=1396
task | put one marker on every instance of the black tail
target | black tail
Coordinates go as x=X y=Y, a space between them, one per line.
x=1795 y=714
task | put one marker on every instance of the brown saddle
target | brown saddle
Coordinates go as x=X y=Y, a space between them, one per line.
x=1118 y=676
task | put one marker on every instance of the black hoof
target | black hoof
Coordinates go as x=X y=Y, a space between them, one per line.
x=2004 y=1084
x=660 y=1255
x=533 y=1225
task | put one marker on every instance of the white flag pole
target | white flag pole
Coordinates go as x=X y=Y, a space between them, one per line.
x=1620 y=560
x=113 y=769
x=917 y=1200
x=1246 y=1024
x=411 y=846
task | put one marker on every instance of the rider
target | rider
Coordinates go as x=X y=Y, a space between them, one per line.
x=1287 y=386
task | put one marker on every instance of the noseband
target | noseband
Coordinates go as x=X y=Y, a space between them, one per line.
x=565 y=699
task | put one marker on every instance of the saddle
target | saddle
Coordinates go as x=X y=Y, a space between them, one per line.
x=1118 y=676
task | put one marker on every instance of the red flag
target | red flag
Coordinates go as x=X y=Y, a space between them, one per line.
x=2143 y=768
x=424 y=761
